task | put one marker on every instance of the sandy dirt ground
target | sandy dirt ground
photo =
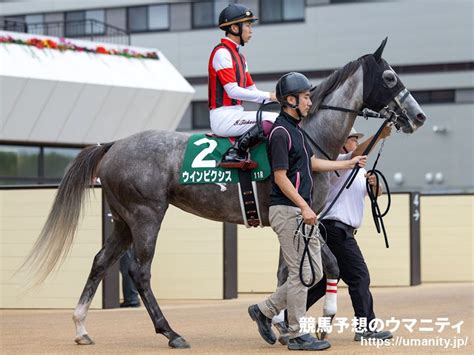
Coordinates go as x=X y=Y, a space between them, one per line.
x=225 y=327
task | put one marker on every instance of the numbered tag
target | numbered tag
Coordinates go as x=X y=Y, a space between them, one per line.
x=199 y=161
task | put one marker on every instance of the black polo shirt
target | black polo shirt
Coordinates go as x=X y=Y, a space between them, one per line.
x=288 y=150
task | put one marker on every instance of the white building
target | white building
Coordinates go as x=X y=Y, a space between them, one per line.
x=78 y=97
x=430 y=46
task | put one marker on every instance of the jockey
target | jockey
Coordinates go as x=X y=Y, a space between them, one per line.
x=230 y=83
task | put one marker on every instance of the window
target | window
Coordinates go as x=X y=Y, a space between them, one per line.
x=35 y=24
x=180 y=16
x=148 y=18
x=434 y=96
x=464 y=95
x=54 y=24
x=137 y=19
x=56 y=160
x=33 y=164
x=317 y=2
x=75 y=23
x=84 y=23
x=206 y=13
x=421 y=96
x=203 y=14
x=200 y=115
x=95 y=22
x=158 y=17
x=345 y=1
x=272 y=11
x=17 y=163
x=14 y=23
x=439 y=96
x=293 y=10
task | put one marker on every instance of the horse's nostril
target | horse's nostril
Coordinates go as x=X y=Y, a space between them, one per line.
x=421 y=117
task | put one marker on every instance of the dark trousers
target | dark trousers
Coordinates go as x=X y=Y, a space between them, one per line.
x=130 y=293
x=352 y=270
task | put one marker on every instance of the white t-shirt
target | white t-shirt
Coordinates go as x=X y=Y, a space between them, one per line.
x=349 y=208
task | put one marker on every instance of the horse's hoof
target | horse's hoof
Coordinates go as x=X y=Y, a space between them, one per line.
x=84 y=340
x=179 y=343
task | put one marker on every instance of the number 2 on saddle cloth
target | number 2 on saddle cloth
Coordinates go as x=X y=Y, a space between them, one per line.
x=203 y=152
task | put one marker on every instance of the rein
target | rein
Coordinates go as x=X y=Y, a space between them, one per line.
x=366 y=113
x=376 y=214
x=354 y=171
x=390 y=116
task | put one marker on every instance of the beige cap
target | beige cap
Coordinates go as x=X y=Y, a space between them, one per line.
x=355 y=134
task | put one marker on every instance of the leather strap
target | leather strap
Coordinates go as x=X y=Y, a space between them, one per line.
x=339 y=224
x=248 y=199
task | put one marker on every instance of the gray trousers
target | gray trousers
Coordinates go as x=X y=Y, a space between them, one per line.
x=292 y=294
x=330 y=266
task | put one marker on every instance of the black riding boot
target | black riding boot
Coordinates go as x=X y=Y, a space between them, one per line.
x=237 y=156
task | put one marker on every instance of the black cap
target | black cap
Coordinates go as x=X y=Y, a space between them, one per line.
x=291 y=84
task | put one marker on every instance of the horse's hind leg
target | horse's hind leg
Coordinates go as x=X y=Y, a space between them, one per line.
x=144 y=240
x=114 y=247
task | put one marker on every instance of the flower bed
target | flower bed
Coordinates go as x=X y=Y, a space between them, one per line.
x=63 y=45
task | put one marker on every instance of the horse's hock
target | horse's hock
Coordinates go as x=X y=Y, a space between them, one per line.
x=189 y=261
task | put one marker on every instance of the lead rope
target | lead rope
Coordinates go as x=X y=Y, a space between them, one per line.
x=346 y=184
x=354 y=171
x=314 y=233
x=366 y=113
x=374 y=195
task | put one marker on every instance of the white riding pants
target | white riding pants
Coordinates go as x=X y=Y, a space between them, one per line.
x=232 y=121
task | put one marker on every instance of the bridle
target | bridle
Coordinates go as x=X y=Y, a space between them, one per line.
x=389 y=115
x=399 y=99
x=386 y=112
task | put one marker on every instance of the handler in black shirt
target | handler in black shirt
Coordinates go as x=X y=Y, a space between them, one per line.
x=291 y=197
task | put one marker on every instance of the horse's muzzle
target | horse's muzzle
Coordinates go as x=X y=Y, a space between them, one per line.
x=420 y=118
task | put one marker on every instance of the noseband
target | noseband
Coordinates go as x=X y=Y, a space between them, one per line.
x=386 y=112
x=399 y=99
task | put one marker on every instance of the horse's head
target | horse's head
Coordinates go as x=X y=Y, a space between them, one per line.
x=384 y=92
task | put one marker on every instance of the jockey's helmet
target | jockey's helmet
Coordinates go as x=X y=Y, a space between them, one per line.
x=291 y=84
x=235 y=14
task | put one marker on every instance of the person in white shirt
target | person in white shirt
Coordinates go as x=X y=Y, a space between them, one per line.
x=341 y=223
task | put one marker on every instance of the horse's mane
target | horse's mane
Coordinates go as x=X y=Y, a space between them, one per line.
x=332 y=82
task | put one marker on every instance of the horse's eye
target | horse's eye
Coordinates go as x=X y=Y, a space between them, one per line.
x=389 y=78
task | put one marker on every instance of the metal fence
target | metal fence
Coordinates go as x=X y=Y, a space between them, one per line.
x=92 y=30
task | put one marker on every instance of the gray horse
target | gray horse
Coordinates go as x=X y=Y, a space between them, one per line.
x=140 y=175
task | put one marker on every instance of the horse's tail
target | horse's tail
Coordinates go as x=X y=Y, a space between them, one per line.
x=57 y=235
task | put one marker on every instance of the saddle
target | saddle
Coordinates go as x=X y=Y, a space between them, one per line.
x=244 y=163
x=200 y=166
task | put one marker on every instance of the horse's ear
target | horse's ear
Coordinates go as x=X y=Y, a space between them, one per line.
x=379 y=51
